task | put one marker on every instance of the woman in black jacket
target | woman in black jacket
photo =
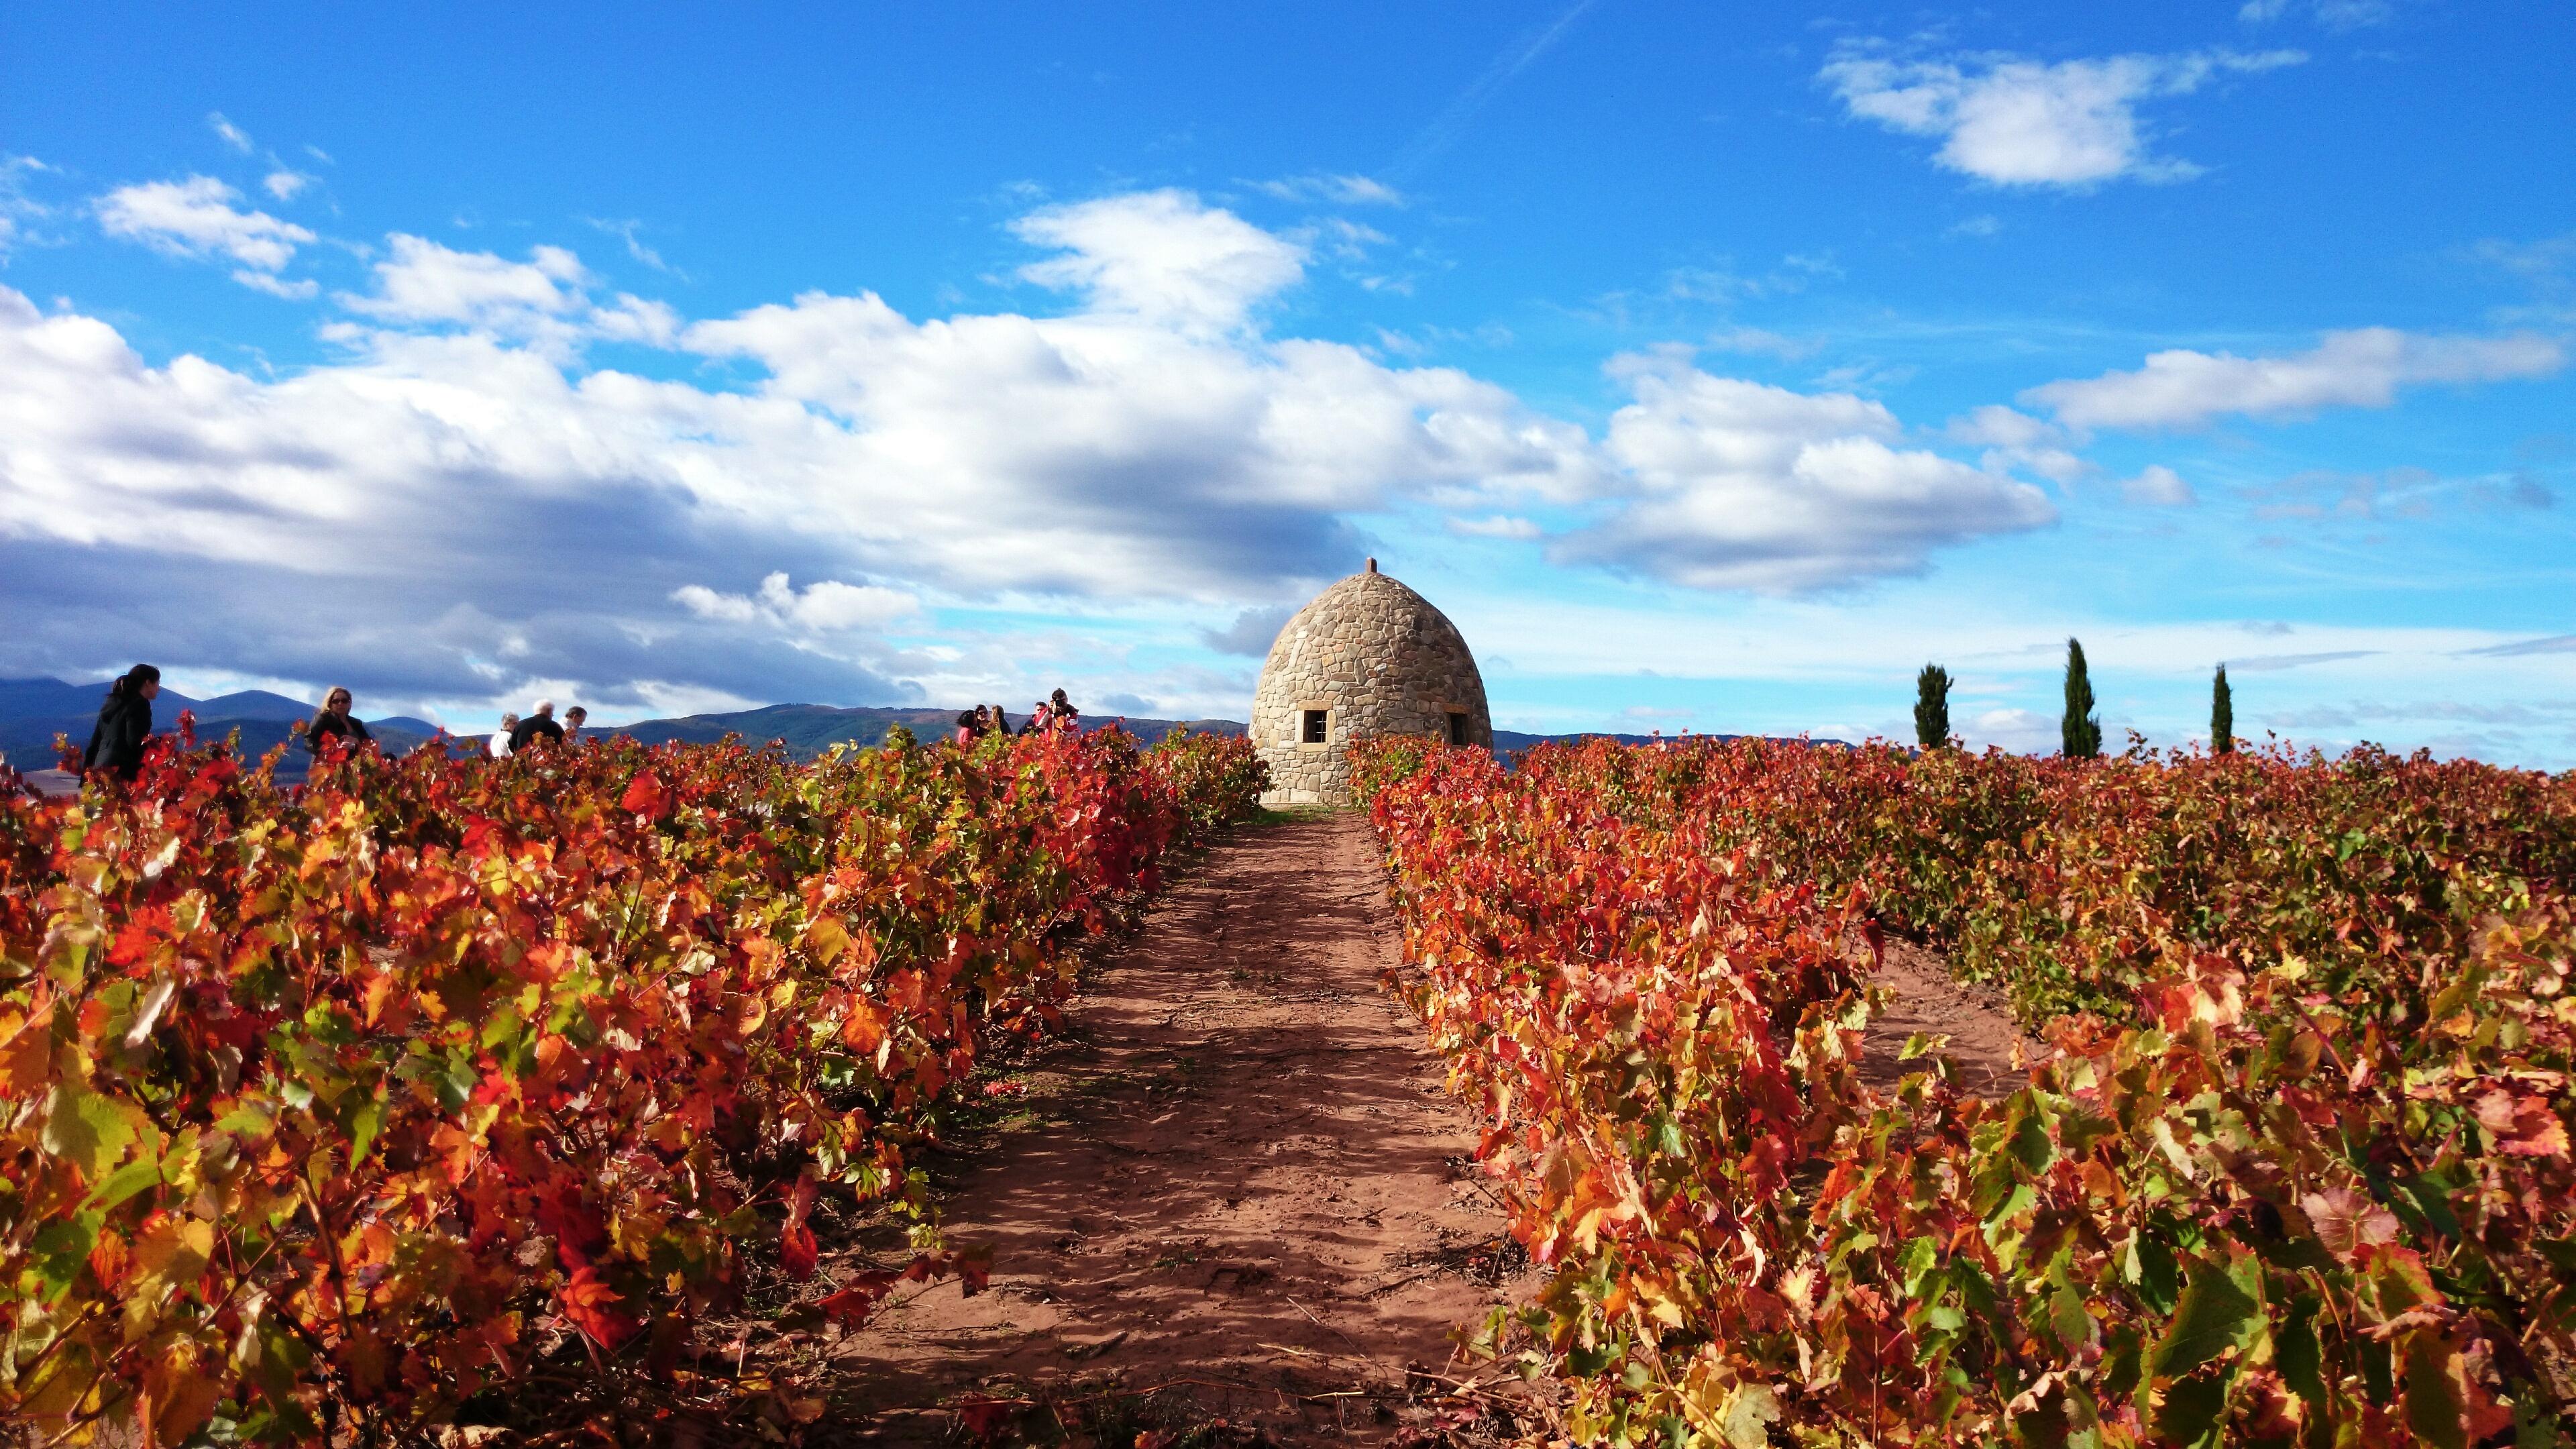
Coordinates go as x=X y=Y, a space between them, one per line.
x=124 y=724
x=336 y=723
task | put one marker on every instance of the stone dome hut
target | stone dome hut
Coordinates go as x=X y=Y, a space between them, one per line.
x=1367 y=657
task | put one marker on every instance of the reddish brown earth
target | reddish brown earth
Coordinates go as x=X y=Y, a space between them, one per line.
x=1242 y=1184
x=1924 y=998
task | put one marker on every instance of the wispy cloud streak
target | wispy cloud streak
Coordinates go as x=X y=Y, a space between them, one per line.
x=1434 y=140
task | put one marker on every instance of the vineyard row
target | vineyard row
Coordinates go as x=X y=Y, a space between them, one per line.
x=2294 y=1172
x=325 y=1110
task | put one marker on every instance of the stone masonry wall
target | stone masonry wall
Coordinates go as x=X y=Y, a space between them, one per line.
x=1379 y=659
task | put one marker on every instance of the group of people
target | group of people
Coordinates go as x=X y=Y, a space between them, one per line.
x=1054 y=712
x=125 y=726
x=517 y=734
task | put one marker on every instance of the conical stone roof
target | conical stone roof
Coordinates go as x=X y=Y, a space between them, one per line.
x=1374 y=658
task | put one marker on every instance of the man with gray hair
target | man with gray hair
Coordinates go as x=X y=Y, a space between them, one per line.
x=540 y=724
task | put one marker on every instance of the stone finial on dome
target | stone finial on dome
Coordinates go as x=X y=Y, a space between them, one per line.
x=1367 y=656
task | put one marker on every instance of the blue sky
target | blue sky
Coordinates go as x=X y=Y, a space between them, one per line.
x=1713 y=367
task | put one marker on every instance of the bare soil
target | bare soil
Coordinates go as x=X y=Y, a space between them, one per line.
x=1240 y=1184
x=1985 y=1049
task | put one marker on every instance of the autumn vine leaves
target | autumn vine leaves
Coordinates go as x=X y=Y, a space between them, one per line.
x=325 y=1111
x=328 y=1109
x=2297 y=1171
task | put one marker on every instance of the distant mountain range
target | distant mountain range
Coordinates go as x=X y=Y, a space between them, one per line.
x=1507 y=741
x=33 y=711
x=810 y=729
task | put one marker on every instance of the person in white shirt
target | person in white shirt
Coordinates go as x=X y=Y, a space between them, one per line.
x=501 y=742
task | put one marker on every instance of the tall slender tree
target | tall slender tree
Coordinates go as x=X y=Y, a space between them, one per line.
x=1932 y=707
x=2080 y=734
x=2222 y=715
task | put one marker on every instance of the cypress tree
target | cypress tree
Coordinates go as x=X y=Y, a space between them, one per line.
x=2222 y=715
x=2080 y=734
x=1932 y=707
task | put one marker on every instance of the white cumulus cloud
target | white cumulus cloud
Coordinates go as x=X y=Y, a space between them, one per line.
x=2018 y=440
x=1997 y=426
x=423 y=281
x=2026 y=731
x=198 y=218
x=543 y=300
x=1161 y=256
x=2363 y=367
x=636 y=319
x=2018 y=122
x=826 y=606
x=1740 y=485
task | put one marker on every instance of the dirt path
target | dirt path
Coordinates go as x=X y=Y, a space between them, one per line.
x=1242 y=1181
x=1926 y=998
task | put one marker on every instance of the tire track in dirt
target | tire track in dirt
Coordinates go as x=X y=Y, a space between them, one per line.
x=1241 y=1181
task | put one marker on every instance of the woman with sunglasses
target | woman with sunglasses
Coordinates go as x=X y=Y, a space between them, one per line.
x=336 y=723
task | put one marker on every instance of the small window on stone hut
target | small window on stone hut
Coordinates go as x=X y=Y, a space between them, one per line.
x=1311 y=726
x=1457 y=727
